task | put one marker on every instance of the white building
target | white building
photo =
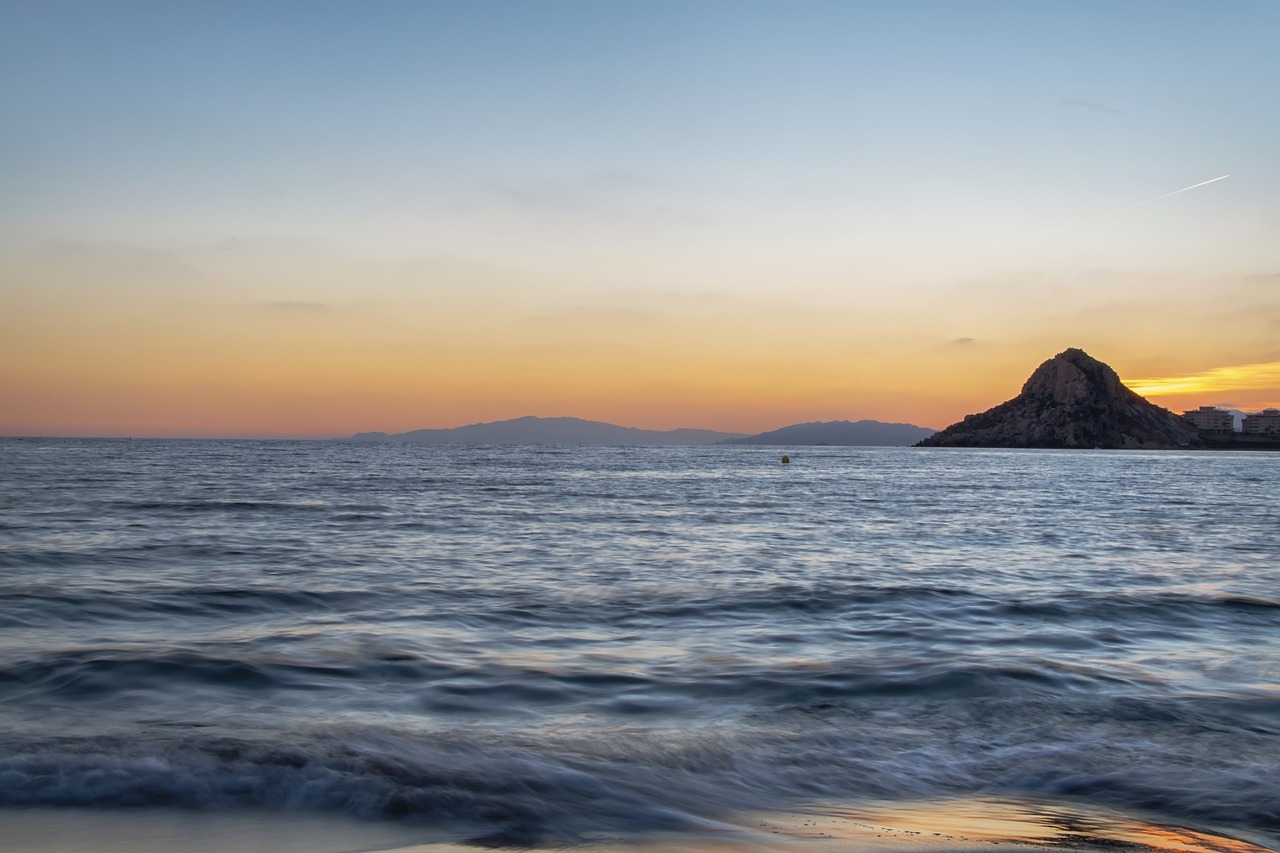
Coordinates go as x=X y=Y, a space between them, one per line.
x=1266 y=422
x=1213 y=419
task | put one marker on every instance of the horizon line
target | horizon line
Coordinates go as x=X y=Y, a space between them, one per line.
x=351 y=436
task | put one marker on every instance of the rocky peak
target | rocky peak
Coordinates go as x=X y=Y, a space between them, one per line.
x=1072 y=376
x=1071 y=400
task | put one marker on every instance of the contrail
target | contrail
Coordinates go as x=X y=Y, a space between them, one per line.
x=1175 y=192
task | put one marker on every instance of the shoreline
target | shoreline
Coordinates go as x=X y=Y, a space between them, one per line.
x=927 y=826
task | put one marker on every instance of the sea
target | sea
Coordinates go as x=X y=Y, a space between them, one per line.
x=547 y=646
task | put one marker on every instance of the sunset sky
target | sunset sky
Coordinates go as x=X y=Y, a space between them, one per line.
x=313 y=218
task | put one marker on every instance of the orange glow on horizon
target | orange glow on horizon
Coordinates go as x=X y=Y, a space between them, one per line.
x=90 y=345
x=1246 y=387
x=1220 y=380
x=265 y=386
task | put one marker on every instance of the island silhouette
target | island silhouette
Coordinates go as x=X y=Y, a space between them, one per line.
x=576 y=431
x=1072 y=401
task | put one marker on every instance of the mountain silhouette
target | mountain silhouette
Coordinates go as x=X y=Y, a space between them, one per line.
x=532 y=430
x=1072 y=401
x=839 y=433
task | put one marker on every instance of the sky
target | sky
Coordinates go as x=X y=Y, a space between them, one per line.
x=308 y=219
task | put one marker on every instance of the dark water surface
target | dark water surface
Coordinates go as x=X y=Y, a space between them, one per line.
x=536 y=644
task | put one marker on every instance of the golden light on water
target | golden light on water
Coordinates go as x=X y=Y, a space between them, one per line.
x=971 y=823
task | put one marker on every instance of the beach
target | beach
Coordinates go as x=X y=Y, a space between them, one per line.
x=925 y=827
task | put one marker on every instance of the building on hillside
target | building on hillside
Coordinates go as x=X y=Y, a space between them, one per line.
x=1212 y=419
x=1266 y=422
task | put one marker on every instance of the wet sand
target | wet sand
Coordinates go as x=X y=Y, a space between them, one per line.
x=933 y=827
x=151 y=830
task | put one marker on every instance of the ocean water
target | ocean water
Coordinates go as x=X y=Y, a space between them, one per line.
x=538 y=645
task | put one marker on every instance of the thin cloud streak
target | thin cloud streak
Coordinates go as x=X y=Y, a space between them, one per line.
x=1176 y=192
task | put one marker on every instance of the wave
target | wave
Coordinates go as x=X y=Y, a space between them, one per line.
x=87 y=675
x=520 y=789
x=47 y=606
x=151 y=555
x=1067 y=620
x=498 y=791
x=455 y=685
x=928 y=606
x=223 y=505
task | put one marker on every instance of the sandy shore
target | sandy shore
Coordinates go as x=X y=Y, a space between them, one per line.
x=935 y=826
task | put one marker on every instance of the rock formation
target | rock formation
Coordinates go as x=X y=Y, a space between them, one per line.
x=1071 y=401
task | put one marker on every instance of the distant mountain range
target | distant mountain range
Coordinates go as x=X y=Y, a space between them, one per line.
x=575 y=431
x=840 y=434
x=531 y=430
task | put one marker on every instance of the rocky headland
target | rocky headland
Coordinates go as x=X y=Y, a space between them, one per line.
x=1072 y=401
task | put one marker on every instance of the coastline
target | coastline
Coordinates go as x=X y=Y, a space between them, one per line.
x=929 y=826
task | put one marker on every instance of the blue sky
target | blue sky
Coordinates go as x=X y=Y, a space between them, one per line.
x=871 y=157
x=286 y=116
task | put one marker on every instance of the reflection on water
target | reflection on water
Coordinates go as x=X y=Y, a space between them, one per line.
x=978 y=821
